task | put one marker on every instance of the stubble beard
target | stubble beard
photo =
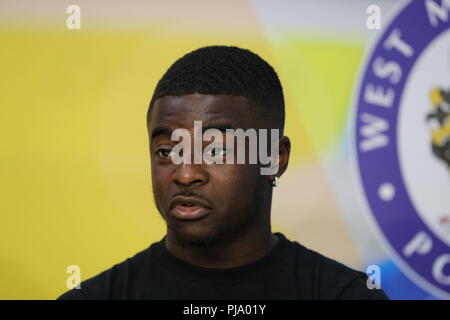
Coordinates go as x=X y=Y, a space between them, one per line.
x=222 y=234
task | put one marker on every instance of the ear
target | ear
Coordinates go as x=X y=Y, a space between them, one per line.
x=284 y=152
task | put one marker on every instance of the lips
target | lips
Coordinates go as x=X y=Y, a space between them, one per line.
x=189 y=208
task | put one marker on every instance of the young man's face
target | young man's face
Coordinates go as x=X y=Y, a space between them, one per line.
x=229 y=195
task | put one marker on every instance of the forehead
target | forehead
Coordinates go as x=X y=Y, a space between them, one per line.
x=182 y=111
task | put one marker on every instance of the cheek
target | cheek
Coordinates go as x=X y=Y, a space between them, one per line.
x=233 y=185
x=161 y=179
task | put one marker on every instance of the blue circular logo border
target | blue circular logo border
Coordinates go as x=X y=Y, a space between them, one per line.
x=398 y=219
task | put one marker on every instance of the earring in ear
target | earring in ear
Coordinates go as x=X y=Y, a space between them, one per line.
x=275 y=182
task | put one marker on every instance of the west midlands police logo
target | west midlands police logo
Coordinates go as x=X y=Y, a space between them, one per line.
x=439 y=119
x=402 y=140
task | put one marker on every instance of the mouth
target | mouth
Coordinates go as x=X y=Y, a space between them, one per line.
x=189 y=209
x=186 y=212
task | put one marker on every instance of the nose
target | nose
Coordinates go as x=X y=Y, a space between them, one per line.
x=190 y=174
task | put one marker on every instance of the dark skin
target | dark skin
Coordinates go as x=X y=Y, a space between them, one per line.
x=237 y=228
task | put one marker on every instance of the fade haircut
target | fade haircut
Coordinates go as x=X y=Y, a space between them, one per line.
x=225 y=70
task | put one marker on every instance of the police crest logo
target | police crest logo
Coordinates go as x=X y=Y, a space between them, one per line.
x=439 y=119
x=402 y=141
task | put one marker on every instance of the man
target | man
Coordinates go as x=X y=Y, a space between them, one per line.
x=219 y=243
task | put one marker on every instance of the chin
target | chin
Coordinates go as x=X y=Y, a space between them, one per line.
x=190 y=235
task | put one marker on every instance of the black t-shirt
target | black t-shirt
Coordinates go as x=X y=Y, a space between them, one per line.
x=289 y=271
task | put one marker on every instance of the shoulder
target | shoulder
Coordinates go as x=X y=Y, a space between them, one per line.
x=113 y=283
x=329 y=279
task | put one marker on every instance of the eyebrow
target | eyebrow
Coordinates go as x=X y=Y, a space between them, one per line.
x=166 y=131
x=158 y=131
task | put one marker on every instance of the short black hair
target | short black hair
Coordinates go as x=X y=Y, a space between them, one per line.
x=225 y=70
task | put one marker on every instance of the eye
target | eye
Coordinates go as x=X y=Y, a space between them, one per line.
x=216 y=151
x=164 y=152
